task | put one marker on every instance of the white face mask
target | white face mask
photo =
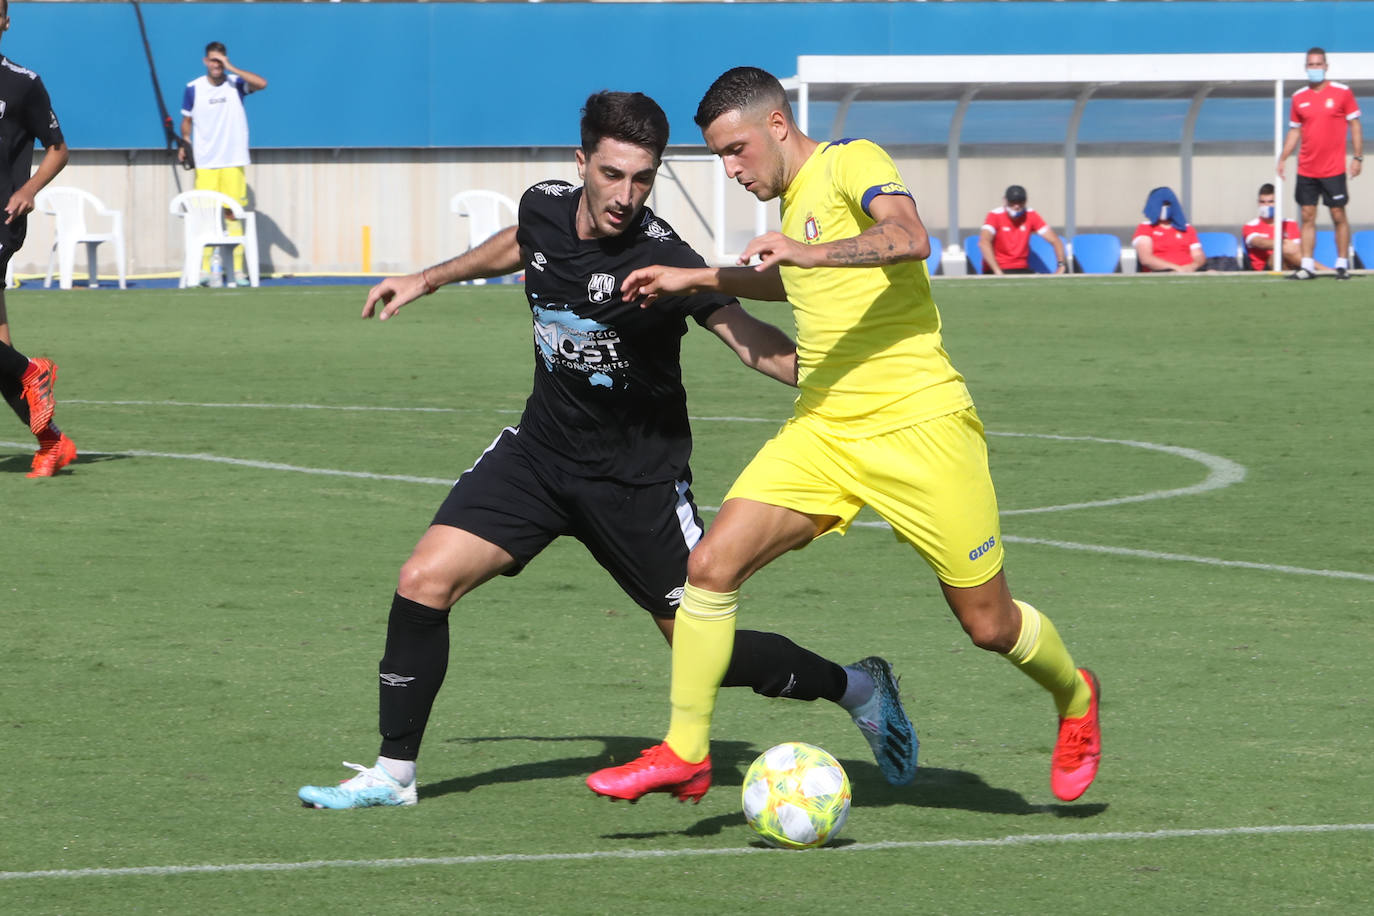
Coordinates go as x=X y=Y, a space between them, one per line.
x=1015 y=212
x=1164 y=213
x=1266 y=211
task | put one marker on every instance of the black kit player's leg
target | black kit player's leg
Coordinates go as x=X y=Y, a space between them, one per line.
x=411 y=672
x=12 y=367
x=774 y=666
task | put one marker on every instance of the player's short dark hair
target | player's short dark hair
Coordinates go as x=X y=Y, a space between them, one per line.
x=740 y=89
x=630 y=117
x=1321 y=51
x=1266 y=188
x=216 y=46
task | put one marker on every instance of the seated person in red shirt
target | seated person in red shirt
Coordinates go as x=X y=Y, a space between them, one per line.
x=1005 y=237
x=1165 y=241
x=1259 y=236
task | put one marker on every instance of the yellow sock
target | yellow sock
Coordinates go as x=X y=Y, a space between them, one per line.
x=703 y=639
x=1041 y=654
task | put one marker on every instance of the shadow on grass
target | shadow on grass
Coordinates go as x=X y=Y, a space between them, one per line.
x=935 y=787
x=20 y=464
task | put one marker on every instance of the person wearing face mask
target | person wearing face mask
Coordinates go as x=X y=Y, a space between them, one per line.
x=1258 y=234
x=1323 y=112
x=1166 y=241
x=1005 y=237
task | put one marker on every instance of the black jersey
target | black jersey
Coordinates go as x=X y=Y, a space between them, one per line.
x=25 y=114
x=608 y=393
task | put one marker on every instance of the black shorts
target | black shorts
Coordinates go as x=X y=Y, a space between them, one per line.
x=521 y=502
x=1331 y=191
x=11 y=240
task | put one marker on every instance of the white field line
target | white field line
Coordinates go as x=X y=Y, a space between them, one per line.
x=1222 y=472
x=659 y=854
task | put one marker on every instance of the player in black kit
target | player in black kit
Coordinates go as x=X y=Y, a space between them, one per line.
x=26 y=114
x=600 y=453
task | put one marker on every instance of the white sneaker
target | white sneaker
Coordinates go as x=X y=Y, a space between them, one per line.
x=372 y=786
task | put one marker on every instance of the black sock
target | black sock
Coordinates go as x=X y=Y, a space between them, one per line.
x=775 y=666
x=12 y=390
x=412 y=670
x=12 y=363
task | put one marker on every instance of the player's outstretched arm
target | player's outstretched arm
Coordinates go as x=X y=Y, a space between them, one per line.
x=758 y=344
x=498 y=255
x=648 y=283
x=896 y=235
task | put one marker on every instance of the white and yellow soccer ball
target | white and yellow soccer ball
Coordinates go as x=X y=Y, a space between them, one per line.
x=796 y=796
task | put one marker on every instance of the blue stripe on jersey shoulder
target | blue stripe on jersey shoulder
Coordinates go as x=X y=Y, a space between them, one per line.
x=840 y=142
x=877 y=190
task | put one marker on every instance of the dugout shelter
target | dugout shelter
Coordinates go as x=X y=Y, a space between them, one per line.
x=845 y=79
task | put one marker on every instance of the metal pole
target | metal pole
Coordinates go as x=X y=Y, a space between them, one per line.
x=1071 y=163
x=1278 y=182
x=1186 y=145
x=956 y=127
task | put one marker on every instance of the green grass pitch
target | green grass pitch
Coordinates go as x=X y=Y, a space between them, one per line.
x=192 y=617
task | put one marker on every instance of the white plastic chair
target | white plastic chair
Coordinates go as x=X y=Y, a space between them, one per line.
x=202 y=214
x=486 y=212
x=69 y=205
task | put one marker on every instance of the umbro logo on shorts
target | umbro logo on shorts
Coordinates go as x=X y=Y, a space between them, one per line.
x=396 y=680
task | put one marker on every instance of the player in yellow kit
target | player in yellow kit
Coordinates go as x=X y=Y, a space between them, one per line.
x=883 y=419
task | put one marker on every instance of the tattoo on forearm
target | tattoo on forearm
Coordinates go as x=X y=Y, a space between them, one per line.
x=884 y=243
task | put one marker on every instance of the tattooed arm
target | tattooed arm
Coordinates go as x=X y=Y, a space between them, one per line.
x=897 y=235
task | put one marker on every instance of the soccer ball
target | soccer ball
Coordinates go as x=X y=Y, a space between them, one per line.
x=796 y=796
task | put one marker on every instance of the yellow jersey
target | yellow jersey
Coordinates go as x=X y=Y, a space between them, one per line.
x=869 y=352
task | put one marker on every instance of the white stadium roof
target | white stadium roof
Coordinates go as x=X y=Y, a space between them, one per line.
x=1081 y=77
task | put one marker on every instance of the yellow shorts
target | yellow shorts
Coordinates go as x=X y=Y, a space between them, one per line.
x=232 y=181
x=929 y=481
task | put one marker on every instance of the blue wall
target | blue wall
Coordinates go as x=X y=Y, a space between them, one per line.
x=515 y=74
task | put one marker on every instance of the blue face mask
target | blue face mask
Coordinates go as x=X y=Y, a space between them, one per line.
x=1316 y=76
x=1267 y=212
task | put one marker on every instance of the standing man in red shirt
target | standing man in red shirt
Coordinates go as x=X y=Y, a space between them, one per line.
x=1006 y=236
x=1321 y=112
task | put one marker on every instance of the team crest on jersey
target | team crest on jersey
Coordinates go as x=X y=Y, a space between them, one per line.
x=812 y=229
x=554 y=188
x=657 y=231
x=600 y=287
x=1330 y=103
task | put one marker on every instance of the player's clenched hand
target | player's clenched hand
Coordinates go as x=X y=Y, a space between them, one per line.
x=648 y=283
x=394 y=292
x=774 y=249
